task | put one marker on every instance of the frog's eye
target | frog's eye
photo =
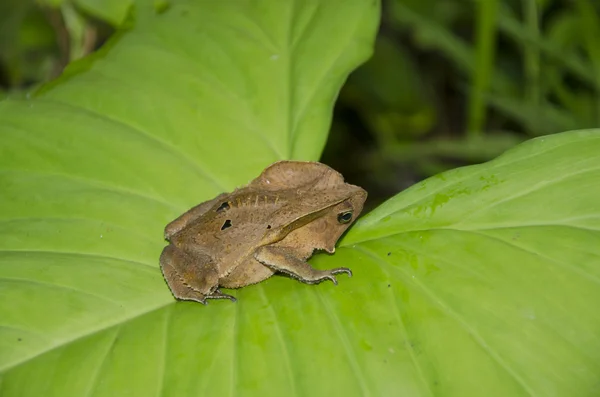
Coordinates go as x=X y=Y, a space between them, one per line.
x=345 y=217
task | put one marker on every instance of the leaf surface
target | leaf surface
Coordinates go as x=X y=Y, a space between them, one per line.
x=479 y=281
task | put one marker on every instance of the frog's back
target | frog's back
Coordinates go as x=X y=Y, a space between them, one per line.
x=232 y=226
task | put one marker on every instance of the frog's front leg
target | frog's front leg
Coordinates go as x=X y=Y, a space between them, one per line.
x=191 y=274
x=284 y=260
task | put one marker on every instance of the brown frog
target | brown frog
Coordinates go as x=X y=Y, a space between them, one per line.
x=271 y=225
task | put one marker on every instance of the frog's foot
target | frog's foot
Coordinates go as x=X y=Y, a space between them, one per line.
x=284 y=261
x=316 y=276
x=219 y=295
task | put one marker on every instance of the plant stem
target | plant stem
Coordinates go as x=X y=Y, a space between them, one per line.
x=590 y=21
x=531 y=53
x=484 y=59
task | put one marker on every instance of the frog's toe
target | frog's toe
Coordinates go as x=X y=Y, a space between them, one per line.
x=342 y=270
x=330 y=274
x=219 y=295
x=333 y=279
x=191 y=295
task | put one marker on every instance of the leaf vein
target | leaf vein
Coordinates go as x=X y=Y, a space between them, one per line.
x=478 y=169
x=459 y=320
x=343 y=337
x=95 y=184
x=57 y=286
x=286 y=354
x=145 y=134
x=404 y=333
x=397 y=233
x=563 y=265
x=72 y=338
x=163 y=363
x=144 y=266
x=533 y=189
x=76 y=220
x=101 y=363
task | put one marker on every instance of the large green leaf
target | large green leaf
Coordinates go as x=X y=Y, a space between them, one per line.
x=491 y=273
x=481 y=281
x=194 y=99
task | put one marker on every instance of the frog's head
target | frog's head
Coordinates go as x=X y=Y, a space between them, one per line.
x=339 y=217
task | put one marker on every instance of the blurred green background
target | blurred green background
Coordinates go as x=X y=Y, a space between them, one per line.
x=451 y=82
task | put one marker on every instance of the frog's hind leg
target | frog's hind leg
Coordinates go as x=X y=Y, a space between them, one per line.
x=190 y=274
x=282 y=259
x=249 y=272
